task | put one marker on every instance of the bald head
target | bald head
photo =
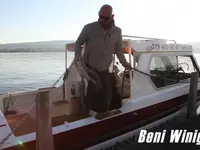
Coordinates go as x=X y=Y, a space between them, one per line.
x=106 y=10
x=105 y=16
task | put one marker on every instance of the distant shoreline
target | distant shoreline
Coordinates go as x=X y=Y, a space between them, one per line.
x=32 y=52
x=43 y=51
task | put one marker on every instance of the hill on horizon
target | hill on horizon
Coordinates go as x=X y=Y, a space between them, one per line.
x=53 y=46
x=43 y=46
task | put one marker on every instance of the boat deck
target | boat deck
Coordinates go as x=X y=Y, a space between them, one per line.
x=29 y=125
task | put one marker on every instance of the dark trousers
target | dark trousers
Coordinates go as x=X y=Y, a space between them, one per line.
x=99 y=100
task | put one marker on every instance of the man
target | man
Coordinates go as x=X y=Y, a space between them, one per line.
x=102 y=39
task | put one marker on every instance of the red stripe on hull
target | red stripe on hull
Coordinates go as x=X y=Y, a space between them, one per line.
x=81 y=135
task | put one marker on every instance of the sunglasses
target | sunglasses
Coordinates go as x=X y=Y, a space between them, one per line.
x=103 y=17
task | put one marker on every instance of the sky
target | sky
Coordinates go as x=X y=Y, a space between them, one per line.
x=43 y=20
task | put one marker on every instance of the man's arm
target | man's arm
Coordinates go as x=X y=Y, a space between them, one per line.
x=82 y=38
x=120 y=53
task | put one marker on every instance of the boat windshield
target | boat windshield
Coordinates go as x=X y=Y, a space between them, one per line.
x=166 y=62
x=175 y=68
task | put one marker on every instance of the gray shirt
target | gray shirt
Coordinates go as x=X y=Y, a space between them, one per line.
x=100 y=46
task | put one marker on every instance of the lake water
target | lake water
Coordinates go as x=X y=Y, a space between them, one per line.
x=30 y=71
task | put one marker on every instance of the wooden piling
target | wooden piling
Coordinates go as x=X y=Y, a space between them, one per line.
x=44 y=137
x=192 y=96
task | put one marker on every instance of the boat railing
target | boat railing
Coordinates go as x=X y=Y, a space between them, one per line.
x=149 y=38
x=8 y=94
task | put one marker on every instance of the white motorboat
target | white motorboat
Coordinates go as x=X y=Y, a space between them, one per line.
x=156 y=91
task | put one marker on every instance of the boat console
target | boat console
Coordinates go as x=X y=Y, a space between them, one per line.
x=162 y=56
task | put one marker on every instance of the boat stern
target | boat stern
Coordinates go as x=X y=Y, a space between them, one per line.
x=7 y=137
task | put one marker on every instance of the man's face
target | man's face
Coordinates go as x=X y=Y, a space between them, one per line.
x=105 y=16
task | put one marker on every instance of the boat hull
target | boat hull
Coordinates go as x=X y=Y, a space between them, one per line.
x=103 y=134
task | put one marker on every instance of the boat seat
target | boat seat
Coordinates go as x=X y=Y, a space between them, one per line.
x=124 y=101
x=110 y=113
x=104 y=115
